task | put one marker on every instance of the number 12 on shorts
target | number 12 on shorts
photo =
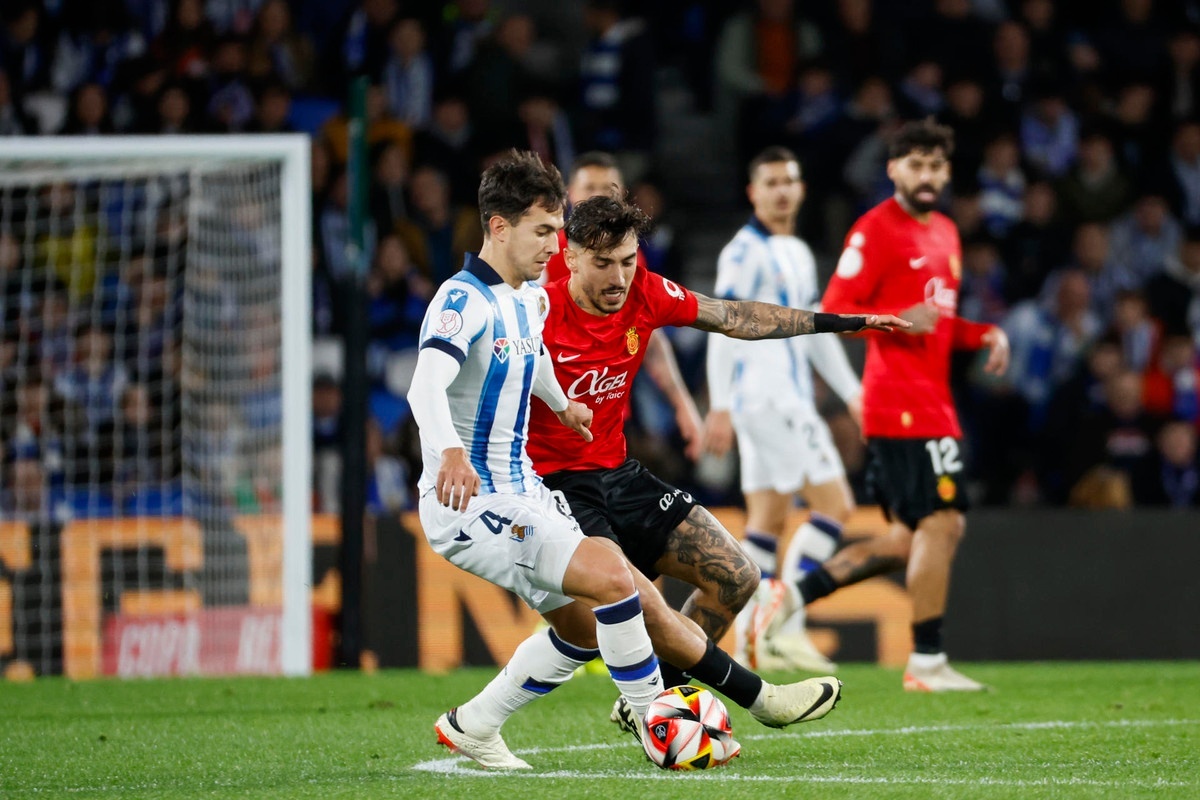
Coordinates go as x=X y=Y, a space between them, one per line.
x=944 y=455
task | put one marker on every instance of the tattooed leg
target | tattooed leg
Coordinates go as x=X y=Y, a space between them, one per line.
x=701 y=552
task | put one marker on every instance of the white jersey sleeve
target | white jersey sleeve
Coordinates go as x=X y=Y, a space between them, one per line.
x=456 y=317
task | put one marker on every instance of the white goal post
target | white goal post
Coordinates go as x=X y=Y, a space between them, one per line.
x=179 y=536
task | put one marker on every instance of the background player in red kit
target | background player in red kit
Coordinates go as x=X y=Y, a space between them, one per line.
x=904 y=257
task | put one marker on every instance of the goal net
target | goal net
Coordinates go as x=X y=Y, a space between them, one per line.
x=154 y=406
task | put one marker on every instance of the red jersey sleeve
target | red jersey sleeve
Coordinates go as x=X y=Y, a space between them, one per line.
x=667 y=302
x=968 y=335
x=852 y=287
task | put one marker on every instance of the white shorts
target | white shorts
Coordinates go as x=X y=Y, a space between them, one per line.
x=520 y=542
x=785 y=450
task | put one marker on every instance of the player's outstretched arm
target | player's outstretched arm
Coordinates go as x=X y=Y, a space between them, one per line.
x=457 y=480
x=749 y=319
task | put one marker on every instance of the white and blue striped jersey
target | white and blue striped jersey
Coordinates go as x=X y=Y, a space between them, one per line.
x=495 y=333
x=758 y=265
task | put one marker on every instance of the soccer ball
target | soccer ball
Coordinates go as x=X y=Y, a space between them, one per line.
x=687 y=727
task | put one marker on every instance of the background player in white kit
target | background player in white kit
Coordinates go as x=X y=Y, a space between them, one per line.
x=763 y=391
x=482 y=506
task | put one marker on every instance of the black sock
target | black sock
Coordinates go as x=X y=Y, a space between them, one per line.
x=927 y=636
x=727 y=676
x=816 y=585
x=671 y=675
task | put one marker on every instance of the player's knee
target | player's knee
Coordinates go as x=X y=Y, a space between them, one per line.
x=611 y=580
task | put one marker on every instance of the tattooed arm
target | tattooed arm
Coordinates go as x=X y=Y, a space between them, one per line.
x=748 y=319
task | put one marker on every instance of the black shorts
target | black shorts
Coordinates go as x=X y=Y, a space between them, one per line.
x=626 y=504
x=912 y=478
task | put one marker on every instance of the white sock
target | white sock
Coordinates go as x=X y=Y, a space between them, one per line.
x=540 y=664
x=926 y=660
x=627 y=652
x=813 y=543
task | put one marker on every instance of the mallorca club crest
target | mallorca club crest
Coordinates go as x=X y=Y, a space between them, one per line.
x=632 y=342
x=521 y=532
x=946 y=489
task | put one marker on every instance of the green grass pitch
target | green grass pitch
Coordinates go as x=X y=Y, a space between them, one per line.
x=1127 y=730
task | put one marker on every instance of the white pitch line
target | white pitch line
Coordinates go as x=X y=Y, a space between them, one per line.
x=455 y=765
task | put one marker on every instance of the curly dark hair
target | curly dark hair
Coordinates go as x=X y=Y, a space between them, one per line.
x=601 y=223
x=923 y=136
x=515 y=184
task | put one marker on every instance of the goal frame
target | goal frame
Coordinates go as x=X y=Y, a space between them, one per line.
x=292 y=152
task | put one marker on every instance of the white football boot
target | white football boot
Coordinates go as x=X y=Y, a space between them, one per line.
x=933 y=673
x=807 y=700
x=491 y=752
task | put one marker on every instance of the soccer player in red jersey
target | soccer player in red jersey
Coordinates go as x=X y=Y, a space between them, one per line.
x=596 y=327
x=903 y=256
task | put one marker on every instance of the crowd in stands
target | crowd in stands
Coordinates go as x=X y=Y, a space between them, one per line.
x=1076 y=189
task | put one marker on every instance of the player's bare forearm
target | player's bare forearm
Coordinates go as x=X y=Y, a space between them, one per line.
x=748 y=319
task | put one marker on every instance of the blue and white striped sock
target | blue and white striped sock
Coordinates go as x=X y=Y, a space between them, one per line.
x=627 y=652
x=539 y=665
x=813 y=544
x=761 y=549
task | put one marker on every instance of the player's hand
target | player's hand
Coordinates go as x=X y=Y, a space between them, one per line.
x=457 y=480
x=998 y=351
x=718 y=433
x=577 y=417
x=884 y=322
x=924 y=319
x=691 y=428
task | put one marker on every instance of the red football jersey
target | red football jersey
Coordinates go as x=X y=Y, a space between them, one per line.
x=595 y=360
x=556 y=268
x=891 y=263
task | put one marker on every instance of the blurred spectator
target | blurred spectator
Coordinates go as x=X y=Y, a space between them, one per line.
x=399 y=295
x=327 y=413
x=26 y=496
x=862 y=47
x=1095 y=189
x=272 y=109
x=68 y=239
x=25 y=55
x=13 y=121
x=145 y=442
x=1011 y=72
x=1169 y=388
x=88 y=115
x=387 y=477
x=335 y=231
x=982 y=293
x=1049 y=131
x=1046 y=38
x=543 y=128
x=498 y=77
x=408 y=74
x=1179 y=86
x=1144 y=238
x=364 y=45
x=952 y=36
x=94 y=381
x=389 y=176
x=1001 y=185
x=231 y=103
x=920 y=91
x=438 y=232
x=1174 y=294
x=97 y=39
x=815 y=112
x=186 y=41
x=964 y=113
x=1035 y=245
x=276 y=50
x=1090 y=254
x=1170 y=476
x=617 y=109
x=135 y=98
x=1133 y=44
x=1183 y=172
x=1118 y=436
x=381 y=126
x=451 y=145
x=1136 y=133
x=1048 y=342
x=467 y=23
x=1137 y=331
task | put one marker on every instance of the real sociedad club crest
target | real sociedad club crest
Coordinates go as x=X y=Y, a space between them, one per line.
x=632 y=342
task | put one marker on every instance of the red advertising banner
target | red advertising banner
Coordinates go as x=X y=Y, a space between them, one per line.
x=216 y=641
